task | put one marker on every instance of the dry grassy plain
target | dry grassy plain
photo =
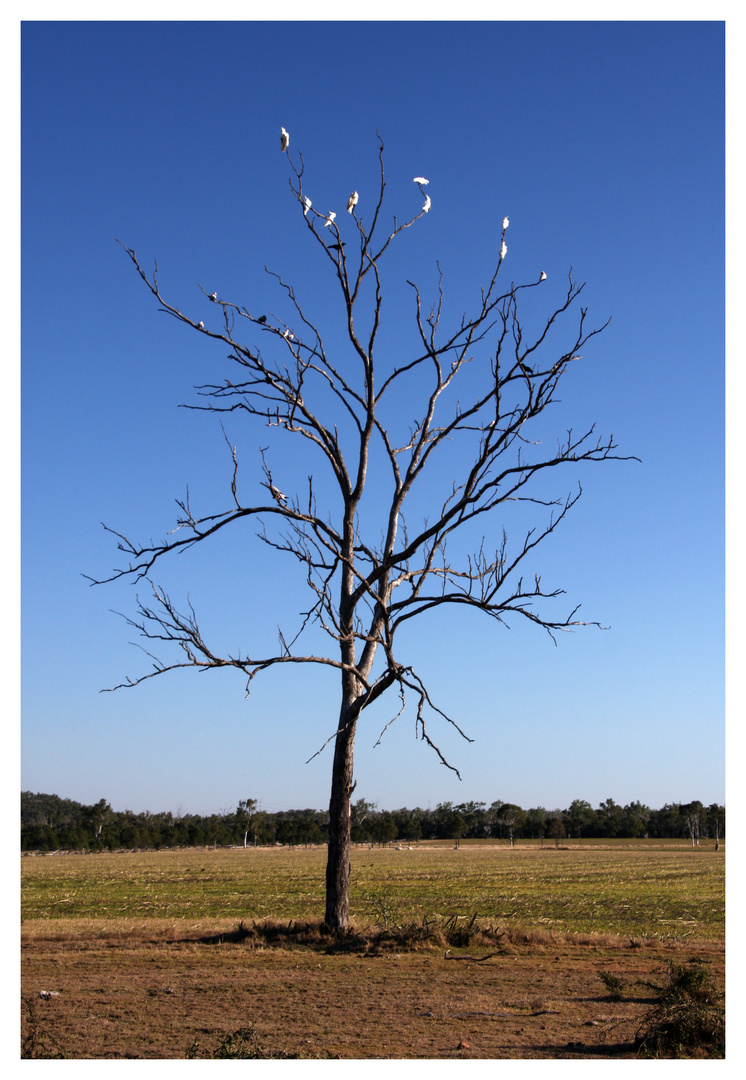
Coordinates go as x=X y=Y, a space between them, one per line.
x=141 y=957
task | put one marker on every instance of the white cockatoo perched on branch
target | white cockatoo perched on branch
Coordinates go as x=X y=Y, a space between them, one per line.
x=200 y=325
x=420 y=180
x=284 y=140
x=427 y=205
x=352 y=203
x=330 y=219
x=503 y=250
x=505 y=223
x=543 y=276
x=307 y=204
x=277 y=494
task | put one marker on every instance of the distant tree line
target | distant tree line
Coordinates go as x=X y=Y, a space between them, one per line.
x=49 y=823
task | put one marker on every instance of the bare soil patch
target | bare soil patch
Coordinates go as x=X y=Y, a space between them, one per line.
x=159 y=988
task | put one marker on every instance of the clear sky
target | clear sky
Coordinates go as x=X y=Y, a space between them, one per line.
x=604 y=143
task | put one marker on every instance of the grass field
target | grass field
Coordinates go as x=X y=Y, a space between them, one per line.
x=118 y=939
x=665 y=892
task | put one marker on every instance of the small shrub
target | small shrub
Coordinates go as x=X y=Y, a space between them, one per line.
x=386 y=906
x=612 y=983
x=240 y=1044
x=459 y=936
x=688 y=1019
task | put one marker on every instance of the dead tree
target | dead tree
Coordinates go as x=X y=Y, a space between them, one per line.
x=475 y=388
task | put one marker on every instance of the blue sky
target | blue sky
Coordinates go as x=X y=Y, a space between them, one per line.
x=604 y=143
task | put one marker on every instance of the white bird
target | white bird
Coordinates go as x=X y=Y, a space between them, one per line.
x=503 y=250
x=289 y=336
x=543 y=276
x=352 y=203
x=505 y=223
x=420 y=180
x=427 y=205
x=213 y=297
x=284 y=140
x=329 y=219
x=307 y=204
x=200 y=325
x=277 y=494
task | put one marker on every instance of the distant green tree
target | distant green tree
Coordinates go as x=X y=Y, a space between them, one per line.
x=217 y=832
x=442 y=821
x=456 y=827
x=667 y=822
x=245 y=817
x=94 y=818
x=636 y=818
x=264 y=827
x=188 y=831
x=39 y=837
x=579 y=818
x=409 y=823
x=555 y=827
x=513 y=819
x=308 y=829
x=384 y=828
x=361 y=821
x=536 y=822
x=494 y=821
x=715 y=822
x=475 y=819
x=693 y=814
x=287 y=832
x=610 y=819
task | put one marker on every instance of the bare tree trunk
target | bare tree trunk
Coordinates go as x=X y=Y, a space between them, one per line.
x=338 y=859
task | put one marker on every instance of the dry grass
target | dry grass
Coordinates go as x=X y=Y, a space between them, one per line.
x=159 y=994
x=469 y=954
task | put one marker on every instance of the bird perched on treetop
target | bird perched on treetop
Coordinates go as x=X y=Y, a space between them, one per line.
x=427 y=205
x=330 y=218
x=543 y=276
x=277 y=494
x=503 y=250
x=307 y=204
x=284 y=140
x=213 y=297
x=420 y=180
x=262 y=319
x=505 y=223
x=200 y=325
x=352 y=203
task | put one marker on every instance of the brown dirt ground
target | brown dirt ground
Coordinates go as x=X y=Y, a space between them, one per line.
x=153 y=989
